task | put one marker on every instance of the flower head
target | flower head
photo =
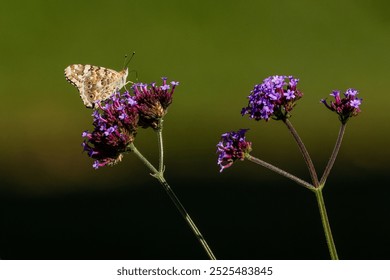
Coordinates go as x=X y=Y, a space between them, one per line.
x=345 y=107
x=274 y=98
x=115 y=126
x=153 y=101
x=232 y=146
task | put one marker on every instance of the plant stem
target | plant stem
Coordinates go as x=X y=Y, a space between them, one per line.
x=318 y=186
x=161 y=167
x=160 y=177
x=325 y=224
x=305 y=153
x=334 y=154
x=281 y=172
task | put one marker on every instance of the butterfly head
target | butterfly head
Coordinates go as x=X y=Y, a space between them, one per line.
x=124 y=73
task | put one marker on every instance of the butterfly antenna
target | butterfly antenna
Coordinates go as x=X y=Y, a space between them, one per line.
x=127 y=63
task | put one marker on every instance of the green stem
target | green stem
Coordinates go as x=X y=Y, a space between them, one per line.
x=305 y=153
x=280 y=171
x=332 y=158
x=318 y=185
x=325 y=224
x=160 y=177
x=161 y=166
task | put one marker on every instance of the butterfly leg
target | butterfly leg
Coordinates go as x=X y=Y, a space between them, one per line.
x=128 y=82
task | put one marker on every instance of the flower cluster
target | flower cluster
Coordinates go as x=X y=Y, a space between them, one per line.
x=232 y=146
x=117 y=118
x=153 y=102
x=345 y=107
x=275 y=98
x=115 y=124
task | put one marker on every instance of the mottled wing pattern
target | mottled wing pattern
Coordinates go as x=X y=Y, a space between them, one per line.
x=94 y=82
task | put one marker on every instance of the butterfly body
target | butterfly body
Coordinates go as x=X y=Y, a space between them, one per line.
x=95 y=83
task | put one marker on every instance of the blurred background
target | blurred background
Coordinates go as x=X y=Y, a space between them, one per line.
x=54 y=205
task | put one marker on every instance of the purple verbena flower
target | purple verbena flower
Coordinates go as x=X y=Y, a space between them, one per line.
x=355 y=103
x=232 y=146
x=115 y=126
x=274 y=98
x=153 y=101
x=345 y=107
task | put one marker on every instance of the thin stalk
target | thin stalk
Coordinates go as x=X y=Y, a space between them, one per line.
x=160 y=177
x=281 y=172
x=335 y=152
x=305 y=153
x=326 y=225
x=160 y=147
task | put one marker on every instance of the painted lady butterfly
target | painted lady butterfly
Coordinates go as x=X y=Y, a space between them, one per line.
x=95 y=83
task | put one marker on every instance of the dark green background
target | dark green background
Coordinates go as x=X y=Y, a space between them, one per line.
x=53 y=205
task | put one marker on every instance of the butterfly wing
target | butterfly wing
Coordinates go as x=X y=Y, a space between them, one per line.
x=105 y=82
x=94 y=82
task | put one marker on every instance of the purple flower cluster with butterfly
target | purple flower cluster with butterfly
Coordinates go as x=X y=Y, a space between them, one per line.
x=115 y=124
x=117 y=119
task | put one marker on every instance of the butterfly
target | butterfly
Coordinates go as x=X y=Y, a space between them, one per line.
x=95 y=83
